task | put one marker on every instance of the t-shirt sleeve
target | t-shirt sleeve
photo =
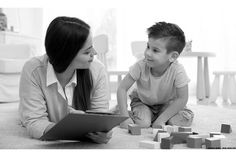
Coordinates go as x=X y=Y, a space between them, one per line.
x=135 y=71
x=181 y=78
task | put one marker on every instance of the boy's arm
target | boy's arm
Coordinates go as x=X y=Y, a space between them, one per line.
x=174 y=107
x=124 y=86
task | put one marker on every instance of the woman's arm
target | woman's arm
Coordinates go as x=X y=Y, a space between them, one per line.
x=32 y=107
x=173 y=107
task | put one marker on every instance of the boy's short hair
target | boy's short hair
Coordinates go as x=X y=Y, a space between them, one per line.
x=172 y=32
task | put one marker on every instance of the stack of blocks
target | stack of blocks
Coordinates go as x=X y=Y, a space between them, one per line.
x=168 y=136
x=160 y=135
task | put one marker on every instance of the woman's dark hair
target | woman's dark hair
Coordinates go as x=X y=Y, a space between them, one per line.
x=65 y=36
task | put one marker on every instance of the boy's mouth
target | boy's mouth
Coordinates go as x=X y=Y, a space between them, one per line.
x=148 y=60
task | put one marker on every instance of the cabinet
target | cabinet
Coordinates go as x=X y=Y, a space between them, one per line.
x=18 y=38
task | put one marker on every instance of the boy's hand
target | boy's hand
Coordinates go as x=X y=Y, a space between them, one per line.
x=158 y=124
x=125 y=124
x=100 y=137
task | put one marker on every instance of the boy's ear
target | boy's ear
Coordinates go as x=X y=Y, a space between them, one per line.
x=173 y=56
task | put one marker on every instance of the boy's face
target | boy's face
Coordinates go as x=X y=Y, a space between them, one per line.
x=156 y=53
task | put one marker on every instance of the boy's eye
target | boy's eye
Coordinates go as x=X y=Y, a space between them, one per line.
x=147 y=46
x=155 y=50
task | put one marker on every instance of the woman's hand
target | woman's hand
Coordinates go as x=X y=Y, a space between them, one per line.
x=49 y=127
x=72 y=110
x=100 y=137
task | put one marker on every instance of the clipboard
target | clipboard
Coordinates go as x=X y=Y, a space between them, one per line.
x=75 y=126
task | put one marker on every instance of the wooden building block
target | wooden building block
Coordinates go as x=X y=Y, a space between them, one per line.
x=149 y=144
x=219 y=136
x=185 y=129
x=226 y=128
x=180 y=137
x=166 y=143
x=203 y=136
x=213 y=143
x=156 y=136
x=161 y=135
x=175 y=128
x=214 y=133
x=134 y=129
x=168 y=128
x=194 y=141
x=155 y=131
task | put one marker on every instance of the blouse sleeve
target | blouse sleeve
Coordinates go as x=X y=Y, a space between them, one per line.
x=32 y=107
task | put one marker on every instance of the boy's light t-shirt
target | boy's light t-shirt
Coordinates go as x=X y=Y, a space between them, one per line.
x=153 y=90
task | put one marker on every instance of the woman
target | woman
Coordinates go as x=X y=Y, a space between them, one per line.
x=64 y=80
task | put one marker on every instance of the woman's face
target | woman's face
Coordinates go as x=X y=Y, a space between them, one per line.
x=85 y=56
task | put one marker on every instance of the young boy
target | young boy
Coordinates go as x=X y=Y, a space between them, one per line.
x=161 y=94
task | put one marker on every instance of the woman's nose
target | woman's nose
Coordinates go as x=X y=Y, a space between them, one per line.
x=94 y=52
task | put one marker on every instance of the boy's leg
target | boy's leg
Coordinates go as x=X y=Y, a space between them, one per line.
x=182 y=118
x=141 y=113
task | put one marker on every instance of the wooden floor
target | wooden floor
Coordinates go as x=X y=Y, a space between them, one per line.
x=208 y=118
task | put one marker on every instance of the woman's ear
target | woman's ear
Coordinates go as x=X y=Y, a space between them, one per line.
x=173 y=56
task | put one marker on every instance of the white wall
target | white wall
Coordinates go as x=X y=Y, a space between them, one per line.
x=27 y=21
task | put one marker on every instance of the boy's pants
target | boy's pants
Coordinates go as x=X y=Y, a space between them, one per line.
x=145 y=115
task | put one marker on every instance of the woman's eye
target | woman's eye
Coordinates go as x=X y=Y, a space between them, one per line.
x=87 y=53
x=147 y=46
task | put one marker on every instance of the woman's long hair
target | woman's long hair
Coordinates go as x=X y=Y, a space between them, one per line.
x=64 y=38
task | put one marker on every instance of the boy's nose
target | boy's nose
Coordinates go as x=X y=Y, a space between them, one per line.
x=147 y=53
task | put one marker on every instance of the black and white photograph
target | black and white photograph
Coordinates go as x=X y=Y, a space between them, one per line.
x=118 y=75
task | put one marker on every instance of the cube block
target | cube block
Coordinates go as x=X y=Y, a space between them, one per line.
x=134 y=129
x=180 y=137
x=185 y=129
x=226 y=128
x=213 y=143
x=149 y=144
x=214 y=133
x=166 y=143
x=161 y=135
x=194 y=141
